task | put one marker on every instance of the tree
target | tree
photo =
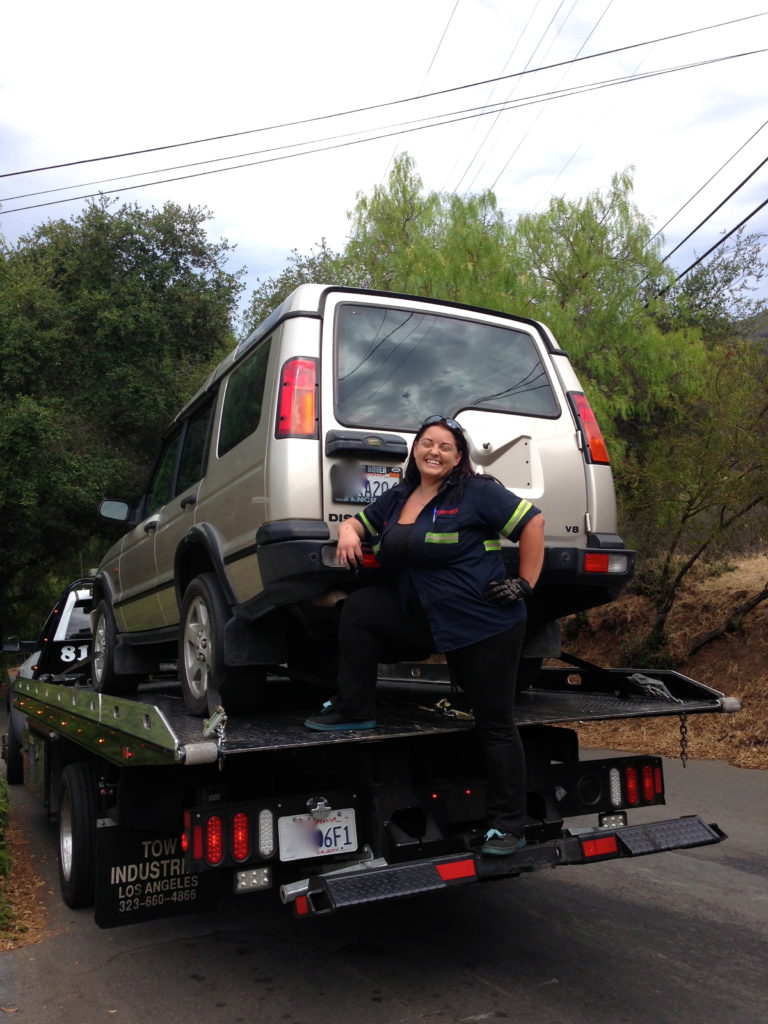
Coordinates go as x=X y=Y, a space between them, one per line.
x=718 y=297
x=705 y=485
x=108 y=322
x=320 y=266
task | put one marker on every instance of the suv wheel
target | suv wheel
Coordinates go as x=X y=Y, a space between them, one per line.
x=104 y=678
x=201 y=642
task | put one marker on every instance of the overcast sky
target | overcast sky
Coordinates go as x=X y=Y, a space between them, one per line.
x=91 y=79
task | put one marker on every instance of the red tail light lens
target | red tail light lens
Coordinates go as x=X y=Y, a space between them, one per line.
x=649 y=784
x=214 y=840
x=596 y=449
x=632 y=786
x=241 y=843
x=297 y=410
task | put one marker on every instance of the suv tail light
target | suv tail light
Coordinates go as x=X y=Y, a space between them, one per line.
x=297 y=408
x=595 y=450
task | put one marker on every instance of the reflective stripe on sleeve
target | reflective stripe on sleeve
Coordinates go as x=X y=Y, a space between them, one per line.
x=520 y=512
x=366 y=523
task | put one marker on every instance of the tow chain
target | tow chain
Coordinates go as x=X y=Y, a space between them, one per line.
x=656 y=688
x=447 y=710
x=684 y=738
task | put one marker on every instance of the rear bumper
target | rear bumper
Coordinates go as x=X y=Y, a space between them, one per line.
x=324 y=894
x=296 y=562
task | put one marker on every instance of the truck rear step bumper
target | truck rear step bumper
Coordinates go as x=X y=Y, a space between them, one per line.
x=325 y=894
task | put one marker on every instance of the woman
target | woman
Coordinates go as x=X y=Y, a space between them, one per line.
x=439 y=531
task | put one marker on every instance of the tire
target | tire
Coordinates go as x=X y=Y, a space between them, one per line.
x=104 y=678
x=77 y=834
x=14 y=762
x=202 y=666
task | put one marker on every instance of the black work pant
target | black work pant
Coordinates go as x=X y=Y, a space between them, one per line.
x=374 y=628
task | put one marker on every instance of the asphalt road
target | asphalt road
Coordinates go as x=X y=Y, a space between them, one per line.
x=666 y=939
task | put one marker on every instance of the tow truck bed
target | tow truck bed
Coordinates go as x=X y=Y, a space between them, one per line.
x=154 y=727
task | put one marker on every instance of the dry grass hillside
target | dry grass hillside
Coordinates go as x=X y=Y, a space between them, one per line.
x=736 y=663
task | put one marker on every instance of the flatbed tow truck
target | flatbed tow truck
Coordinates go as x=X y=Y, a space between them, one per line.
x=157 y=809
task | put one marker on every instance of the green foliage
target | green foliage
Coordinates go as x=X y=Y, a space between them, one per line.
x=320 y=266
x=682 y=409
x=6 y=913
x=718 y=297
x=108 y=322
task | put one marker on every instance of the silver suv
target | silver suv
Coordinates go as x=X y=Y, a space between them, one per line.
x=230 y=555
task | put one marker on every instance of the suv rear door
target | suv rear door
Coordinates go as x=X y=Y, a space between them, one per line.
x=398 y=360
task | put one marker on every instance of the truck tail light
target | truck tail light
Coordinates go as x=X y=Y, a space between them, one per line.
x=214 y=840
x=233 y=835
x=633 y=790
x=648 y=783
x=595 y=450
x=266 y=832
x=241 y=836
x=297 y=407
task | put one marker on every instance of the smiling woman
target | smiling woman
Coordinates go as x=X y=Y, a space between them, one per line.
x=439 y=533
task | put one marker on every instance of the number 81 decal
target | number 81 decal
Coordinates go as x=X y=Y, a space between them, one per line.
x=70 y=652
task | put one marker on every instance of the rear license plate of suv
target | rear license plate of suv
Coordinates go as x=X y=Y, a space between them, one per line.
x=302 y=836
x=360 y=485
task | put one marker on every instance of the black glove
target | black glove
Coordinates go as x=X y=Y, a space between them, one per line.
x=507 y=591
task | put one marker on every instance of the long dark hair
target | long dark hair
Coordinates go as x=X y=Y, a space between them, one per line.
x=463 y=468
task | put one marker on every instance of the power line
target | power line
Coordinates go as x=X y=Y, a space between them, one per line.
x=378 y=106
x=495 y=121
x=713 y=212
x=426 y=75
x=707 y=182
x=541 y=110
x=717 y=245
x=448 y=119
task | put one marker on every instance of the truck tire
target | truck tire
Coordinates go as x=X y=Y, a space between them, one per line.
x=14 y=763
x=104 y=678
x=77 y=833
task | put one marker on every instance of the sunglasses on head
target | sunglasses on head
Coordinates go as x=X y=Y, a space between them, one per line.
x=451 y=424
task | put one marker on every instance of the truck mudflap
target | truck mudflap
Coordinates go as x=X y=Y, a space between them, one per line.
x=337 y=891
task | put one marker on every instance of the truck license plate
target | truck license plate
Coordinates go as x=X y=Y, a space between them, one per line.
x=302 y=836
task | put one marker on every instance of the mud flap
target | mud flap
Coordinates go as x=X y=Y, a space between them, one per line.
x=141 y=876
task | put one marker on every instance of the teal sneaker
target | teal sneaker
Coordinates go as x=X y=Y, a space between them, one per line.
x=501 y=844
x=330 y=720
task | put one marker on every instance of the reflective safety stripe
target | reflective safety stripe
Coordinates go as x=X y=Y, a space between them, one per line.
x=442 y=538
x=367 y=524
x=492 y=545
x=522 y=509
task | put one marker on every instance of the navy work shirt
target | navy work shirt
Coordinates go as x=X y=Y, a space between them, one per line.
x=453 y=552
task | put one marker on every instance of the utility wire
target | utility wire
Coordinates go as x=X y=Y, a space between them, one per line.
x=509 y=96
x=512 y=53
x=541 y=109
x=712 y=248
x=379 y=106
x=571 y=91
x=713 y=212
x=426 y=75
x=707 y=182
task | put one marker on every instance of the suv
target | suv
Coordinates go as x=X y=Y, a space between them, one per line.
x=230 y=555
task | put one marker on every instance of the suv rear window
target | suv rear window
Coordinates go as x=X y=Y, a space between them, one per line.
x=394 y=366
